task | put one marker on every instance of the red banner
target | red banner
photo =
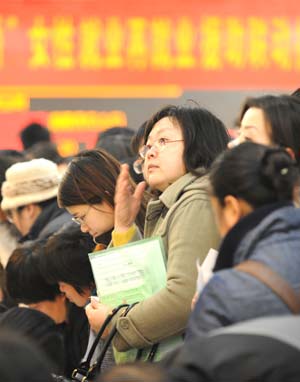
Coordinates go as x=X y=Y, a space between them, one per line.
x=99 y=49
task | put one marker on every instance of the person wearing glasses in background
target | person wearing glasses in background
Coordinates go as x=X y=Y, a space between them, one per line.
x=180 y=143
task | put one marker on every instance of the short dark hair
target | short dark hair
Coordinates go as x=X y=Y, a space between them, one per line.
x=47 y=150
x=66 y=258
x=116 y=141
x=24 y=281
x=33 y=133
x=258 y=174
x=138 y=139
x=282 y=112
x=205 y=135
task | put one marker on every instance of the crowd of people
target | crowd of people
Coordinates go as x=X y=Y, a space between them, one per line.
x=227 y=212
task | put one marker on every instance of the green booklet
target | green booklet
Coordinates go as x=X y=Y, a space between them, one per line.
x=129 y=273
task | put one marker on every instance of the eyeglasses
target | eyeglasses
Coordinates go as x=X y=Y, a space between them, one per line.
x=9 y=214
x=81 y=220
x=138 y=165
x=158 y=145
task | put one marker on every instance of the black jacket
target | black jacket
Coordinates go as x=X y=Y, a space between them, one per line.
x=266 y=349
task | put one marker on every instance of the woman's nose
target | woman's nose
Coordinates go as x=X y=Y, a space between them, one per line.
x=84 y=228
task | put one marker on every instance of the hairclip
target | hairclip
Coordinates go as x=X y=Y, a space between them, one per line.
x=284 y=171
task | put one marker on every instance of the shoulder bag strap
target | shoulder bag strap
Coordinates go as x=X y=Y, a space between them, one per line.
x=274 y=281
x=110 y=338
x=85 y=368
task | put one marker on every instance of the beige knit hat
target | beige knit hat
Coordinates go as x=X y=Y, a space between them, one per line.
x=29 y=182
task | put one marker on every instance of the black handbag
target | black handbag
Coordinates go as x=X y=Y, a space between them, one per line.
x=86 y=372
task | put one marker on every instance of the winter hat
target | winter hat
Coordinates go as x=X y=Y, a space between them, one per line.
x=29 y=182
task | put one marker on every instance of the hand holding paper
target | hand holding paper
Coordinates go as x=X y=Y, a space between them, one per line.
x=127 y=200
x=96 y=313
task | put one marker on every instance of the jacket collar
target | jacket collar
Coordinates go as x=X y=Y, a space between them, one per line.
x=235 y=236
x=174 y=191
x=47 y=214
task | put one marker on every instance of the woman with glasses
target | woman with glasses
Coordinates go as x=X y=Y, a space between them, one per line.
x=87 y=191
x=180 y=143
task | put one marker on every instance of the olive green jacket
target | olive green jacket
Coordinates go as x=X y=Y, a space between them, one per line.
x=182 y=216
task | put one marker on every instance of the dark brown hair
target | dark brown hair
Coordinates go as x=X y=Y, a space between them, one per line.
x=91 y=179
x=283 y=115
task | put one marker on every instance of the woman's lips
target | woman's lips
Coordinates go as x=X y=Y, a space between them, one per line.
x=152 y=166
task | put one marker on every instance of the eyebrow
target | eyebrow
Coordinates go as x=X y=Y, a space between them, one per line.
x=162 y=130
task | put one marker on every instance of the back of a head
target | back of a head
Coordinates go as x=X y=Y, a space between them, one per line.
x=258 y=174
x=47 y=150
x=117 y=141
x=66 y=258
x=21 y=361
x=205 y=135
x=23 y=277
x=34 y=133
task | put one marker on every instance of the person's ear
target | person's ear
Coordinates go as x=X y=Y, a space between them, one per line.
x=232 y=210
x=290 y=152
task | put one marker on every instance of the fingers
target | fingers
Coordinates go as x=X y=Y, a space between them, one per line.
x=94 y=302
x=139 y=191
x=122 y=183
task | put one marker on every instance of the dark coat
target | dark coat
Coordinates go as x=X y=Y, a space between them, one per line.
x=259 y=350
x=50 y=220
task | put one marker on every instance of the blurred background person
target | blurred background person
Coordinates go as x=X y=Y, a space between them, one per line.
x=9 y=235
x=117 y=142
x=21 y=360
x=29 y=199
x=47 y=150
x=34 y=133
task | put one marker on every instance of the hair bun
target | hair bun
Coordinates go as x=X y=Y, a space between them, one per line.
x=277 y=171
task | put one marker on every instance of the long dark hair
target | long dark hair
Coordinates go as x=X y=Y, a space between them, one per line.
x=91 y=179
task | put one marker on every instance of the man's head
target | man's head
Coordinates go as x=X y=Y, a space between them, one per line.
x=26 y=284
x=34 y=133
x=26 y=190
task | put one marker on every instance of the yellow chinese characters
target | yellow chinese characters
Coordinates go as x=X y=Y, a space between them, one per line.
x=210 y=43
x=89 y=41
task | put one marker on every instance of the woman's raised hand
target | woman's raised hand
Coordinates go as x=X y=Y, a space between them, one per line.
x=127 y=200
